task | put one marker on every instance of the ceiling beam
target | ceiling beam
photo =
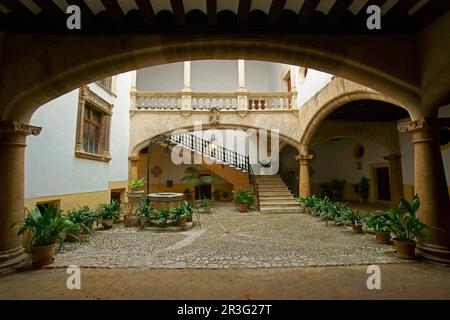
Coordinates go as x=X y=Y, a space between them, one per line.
x=244 y=11
x=430 y=12
x=16 y=8
x=49 y=8
x=178 y=11
x=114 y=11
x=338 y=10
x=307 y=10
x=276 y=8
x=146 y=10
x=211 y=9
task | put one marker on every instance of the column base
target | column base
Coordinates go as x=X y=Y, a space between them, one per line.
x=12 y=258
x=434 y=253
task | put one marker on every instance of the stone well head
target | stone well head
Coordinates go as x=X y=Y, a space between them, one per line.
x=166 y=200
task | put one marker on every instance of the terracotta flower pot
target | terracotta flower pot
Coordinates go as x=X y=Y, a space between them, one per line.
x=189 y=217
x=243 y=208
x=145 y=221
x=357 y=228
x=43 y=255
x=131 y=221
x=182 y=221
x=162 y=224
x=405 y=249
x=107 y=223
x=383 y=237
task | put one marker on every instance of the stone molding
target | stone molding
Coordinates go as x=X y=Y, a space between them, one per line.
x=18 y=127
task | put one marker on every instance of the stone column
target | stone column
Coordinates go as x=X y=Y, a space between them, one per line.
x=12 y=198
x=187 y=77
x=241 y=75
x=304 y=183
x=186 y=97
x=293 y=93
x=395 y=168
x=431 y=186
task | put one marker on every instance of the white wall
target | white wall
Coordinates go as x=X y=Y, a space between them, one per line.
x=51 y=167
x=167 y=77
x=214 y=76
x=313 y=83
x=334 y=159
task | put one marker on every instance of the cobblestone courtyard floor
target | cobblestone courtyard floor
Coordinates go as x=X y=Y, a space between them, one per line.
x=229 y=239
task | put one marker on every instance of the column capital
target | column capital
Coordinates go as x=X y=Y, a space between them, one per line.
x=393 y=157
x=304 y=158
x=420 y=124
x=13 y=127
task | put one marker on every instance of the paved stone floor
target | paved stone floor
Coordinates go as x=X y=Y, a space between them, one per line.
x=229 y=239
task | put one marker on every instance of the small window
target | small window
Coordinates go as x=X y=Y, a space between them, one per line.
x=106 y=83
x=45 y=205
x=93 y=127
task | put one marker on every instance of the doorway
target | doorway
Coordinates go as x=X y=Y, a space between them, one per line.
x=203 y=190
x=382 y=183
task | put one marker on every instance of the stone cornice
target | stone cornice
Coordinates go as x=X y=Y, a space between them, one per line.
x=18 y=127
x=424 y=123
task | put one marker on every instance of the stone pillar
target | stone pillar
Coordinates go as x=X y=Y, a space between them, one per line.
x=133 y=168
x=12 y=198
x=395 y=168
x=241 y=75
x=431 y=186
x=304 y=183
x=187 y=77
x=293 y=93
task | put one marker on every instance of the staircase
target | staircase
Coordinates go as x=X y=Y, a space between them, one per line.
x=272 y=194
x=275 y=196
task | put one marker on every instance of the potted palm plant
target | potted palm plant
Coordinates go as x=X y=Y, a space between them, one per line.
x=406 y=227
x=108 y=213
x=181 y=213
x=162 y=216
x=225 y=195
x=380 y=224
x=194 y=177
x=244 y=199
x=134 y=197
x=353 y=217
x=216 y=194
x=48 y=228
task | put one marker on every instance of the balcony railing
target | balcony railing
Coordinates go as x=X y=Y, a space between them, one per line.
x=207 y=100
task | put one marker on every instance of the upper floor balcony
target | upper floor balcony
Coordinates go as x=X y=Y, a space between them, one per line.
x=197 y=101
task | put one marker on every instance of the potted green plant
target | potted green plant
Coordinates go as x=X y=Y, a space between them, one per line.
x=194 y=177
x=108 y=212
x=204 y=205
x=406 y=227
x=380 y=224
x=352 y=217
x=181 y=213
x=364 y=188
x=162 y=216
x=83 y=221
x=145 y=211
x=134 y=197
x=216 y=194
x=48 y=228
x=244 y=199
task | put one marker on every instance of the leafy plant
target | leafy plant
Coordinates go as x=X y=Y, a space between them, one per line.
x=364 y=188
x=109 y=210
x=217 y=193
x=244 y=197
x=225 y=194
x=162 y=215
x=145 y=208
x=377 y=222
x=205 y=203
x=348 y=215
x=47 y=226
x=403 y=221
x=194 y=177
x=135 y=184
x=83 y=218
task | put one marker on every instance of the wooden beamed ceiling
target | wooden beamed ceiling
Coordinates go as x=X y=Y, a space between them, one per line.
x=141 y=15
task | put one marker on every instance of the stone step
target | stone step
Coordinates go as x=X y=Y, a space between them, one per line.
x=276 y=193
x=276 y=197
x=280 y=210
x=278 y=203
